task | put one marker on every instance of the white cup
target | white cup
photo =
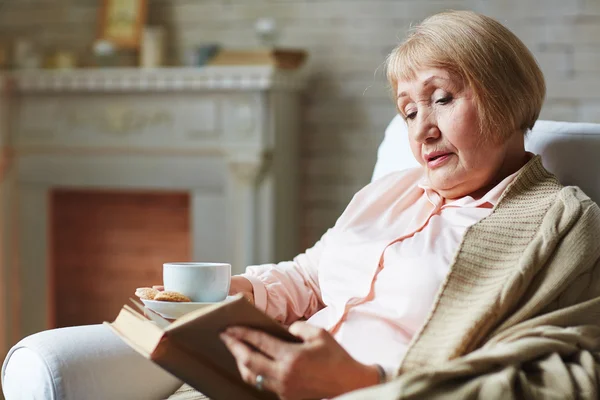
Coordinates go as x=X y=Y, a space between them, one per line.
x=201 y=282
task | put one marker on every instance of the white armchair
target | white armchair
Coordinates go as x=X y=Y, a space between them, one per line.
x=89 y=362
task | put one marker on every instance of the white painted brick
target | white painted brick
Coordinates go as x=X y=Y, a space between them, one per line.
x=332 y=192
x=197 y=12
x=360 y=87
x=555 y=64
x=346 y=170
x=557 y=31
x=559 y=110
x=367 y=68
x=377 y=35
x=351 y=111
x=532 y=33
x=577 y=88
x=320 y=217
x=530 y=8
x=82 y=15
x=49 y=16
x=374 y=9
x=25 y=16
x=588 y=112
x=291 y=11
x=234 y=38
x=310 y=235
x=343 y=167
x=349 y=141
x=317 y=226
x=580 y=31
x=587 y=60
x=374 y=54
x=590 y=7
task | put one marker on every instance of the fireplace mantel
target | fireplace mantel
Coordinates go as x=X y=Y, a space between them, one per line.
x=246 y=78
x=226 y=135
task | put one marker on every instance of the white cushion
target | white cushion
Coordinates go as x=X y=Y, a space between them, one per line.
x=394 y=153
x=568 y=149
x=84 y=362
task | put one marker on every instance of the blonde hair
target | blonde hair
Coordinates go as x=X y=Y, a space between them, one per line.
x=507 y=82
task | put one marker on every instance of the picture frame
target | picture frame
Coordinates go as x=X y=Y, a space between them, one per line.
x=121 y=22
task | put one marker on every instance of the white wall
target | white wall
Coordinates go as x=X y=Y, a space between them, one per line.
x=346 y=106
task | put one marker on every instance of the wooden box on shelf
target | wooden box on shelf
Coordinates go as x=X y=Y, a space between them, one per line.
x=280 y=58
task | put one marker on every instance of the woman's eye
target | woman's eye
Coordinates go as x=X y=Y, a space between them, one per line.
x=444 y=100
x=411 y=115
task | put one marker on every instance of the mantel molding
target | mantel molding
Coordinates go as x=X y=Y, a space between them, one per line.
x=240 y=78
x=248 y=165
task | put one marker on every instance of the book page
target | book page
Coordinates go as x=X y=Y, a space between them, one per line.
x=139 y=333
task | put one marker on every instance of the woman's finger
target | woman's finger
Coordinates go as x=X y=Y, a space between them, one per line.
x=251 y=378
x=264 y=342
x=251 y=363
x=248 y=296
x=305 y=331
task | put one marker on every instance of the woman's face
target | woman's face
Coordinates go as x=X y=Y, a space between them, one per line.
x=445 y=136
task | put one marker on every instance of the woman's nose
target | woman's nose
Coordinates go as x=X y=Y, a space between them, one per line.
x=426 y=128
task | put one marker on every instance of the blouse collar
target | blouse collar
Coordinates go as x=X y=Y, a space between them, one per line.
x=491 y=198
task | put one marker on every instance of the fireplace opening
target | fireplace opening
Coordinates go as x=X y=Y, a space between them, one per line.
x=104 y=244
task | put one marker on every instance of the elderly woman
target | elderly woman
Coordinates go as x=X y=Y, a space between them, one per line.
x=474 y=276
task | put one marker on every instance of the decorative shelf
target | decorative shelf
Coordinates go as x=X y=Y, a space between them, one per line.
x=159 y=79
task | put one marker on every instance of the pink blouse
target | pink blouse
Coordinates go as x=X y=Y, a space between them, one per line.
x=372 y=278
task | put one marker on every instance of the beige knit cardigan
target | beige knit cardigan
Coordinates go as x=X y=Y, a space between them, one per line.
x=518 y=316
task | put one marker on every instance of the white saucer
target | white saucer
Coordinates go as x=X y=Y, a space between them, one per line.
x=174 y=310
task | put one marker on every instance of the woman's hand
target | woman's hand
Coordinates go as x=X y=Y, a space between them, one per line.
x=239 y=284
x=315 y=369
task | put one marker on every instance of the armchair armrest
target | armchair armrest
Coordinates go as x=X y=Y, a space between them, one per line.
x=84 y=362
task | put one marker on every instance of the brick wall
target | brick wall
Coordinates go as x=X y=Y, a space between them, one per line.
x=346 y=106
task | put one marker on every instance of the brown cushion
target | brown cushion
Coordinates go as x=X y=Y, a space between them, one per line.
x=186 y=392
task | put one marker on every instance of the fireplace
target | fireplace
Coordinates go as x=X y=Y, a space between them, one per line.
x=104 y=244
x=193 y=164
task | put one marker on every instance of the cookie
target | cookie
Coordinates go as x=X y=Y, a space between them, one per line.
x=146 y=293
x=172 y=296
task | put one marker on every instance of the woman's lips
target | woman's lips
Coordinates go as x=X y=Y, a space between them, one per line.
x=438 y=161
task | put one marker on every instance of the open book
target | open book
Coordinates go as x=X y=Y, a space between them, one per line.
x=190 y=348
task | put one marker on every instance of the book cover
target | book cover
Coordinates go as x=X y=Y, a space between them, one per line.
x=190 y=347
